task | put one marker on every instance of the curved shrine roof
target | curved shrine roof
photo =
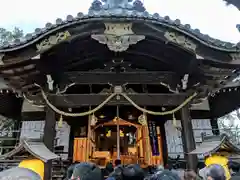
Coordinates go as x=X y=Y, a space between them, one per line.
x=214 y=144
x=124 y=11
x=35 y=148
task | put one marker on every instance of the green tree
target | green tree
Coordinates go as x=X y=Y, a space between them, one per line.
x=9 y=36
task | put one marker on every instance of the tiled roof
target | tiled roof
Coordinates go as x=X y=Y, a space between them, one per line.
x=35 y=148
x=213 y=144
x=109 y=10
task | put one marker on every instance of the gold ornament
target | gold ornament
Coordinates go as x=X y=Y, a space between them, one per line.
x=121 y=133
x=142 y=119
x=109 y=133
x=60 y=122
x=52 y=40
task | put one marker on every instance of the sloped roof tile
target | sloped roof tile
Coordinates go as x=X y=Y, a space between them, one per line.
x=212 y=144
x=101 y=12
x=35 y=148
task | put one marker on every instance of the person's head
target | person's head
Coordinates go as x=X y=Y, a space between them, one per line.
x=109 y=167
x=130 y=172
x=117 y=162
x=190 y=175
x=86 y=171
x=215 y=172
x=20 y=173
x=70 y=170
x=165 y=175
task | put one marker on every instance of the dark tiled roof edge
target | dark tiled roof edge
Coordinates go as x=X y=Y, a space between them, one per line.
x=128 y=15
x=235 y=3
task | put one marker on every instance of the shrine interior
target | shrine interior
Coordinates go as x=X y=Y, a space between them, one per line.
x=105 y=129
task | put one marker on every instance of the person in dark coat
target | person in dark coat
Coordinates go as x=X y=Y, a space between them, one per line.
x=165 y=175
x=129 y=172
x=109 y=169
x=70 y=170
x=117 y=162
x=87 y=171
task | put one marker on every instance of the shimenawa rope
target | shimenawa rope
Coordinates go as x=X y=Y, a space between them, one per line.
x=108 y=99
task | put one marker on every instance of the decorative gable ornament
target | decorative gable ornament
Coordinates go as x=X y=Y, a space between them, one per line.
x=118 y=36
x=52 y=40
x=180 y=40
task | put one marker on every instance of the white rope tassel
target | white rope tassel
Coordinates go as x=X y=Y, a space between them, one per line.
x=50 y=82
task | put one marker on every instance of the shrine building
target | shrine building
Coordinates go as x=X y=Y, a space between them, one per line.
x=117 y=83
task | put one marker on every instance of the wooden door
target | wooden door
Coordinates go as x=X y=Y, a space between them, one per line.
x=80 y=150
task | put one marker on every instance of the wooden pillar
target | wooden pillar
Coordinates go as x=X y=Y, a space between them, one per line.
x=88 y=153
x=213 y=119
x=214 y=125
x=146 y=144
x=49 y=138
x=71 y=142
x=140 y=142
x=188 y=139
x=160 y=157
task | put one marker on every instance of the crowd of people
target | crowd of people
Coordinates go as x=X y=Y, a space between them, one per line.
x=89 y=171
x=117 y=171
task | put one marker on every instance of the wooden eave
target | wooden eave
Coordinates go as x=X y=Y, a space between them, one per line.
x=35 y=148
x=225 y=100
x=215 y=144
x=22 y=77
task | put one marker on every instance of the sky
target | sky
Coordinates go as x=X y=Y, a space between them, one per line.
x=212 y=17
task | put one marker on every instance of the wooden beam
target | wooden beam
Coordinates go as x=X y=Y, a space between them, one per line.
x=218 y=74
x=114 y=78
x=78 y=100
x=188 y=140
x=48 y=139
